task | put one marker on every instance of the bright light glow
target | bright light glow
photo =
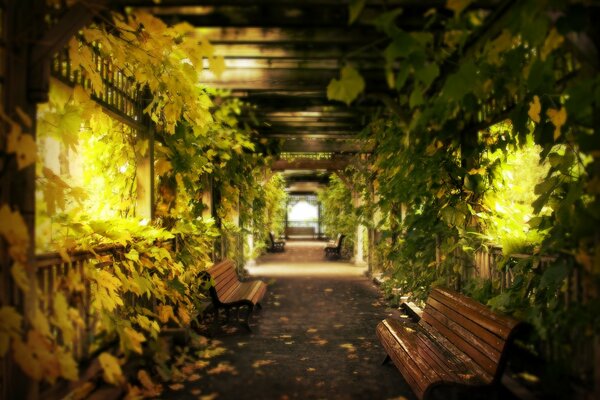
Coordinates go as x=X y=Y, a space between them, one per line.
x=302 y=211
x=123 y=168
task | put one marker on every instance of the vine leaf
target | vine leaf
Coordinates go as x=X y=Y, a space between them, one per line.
x=355 y=8
x=10 y=325
x=112 y=369
x=553 y=41
x=458 y=5
x=427 y=73
x=558 y=119
x=534 y=109
x=15 y=232
x=348 y=87
x=217 y=65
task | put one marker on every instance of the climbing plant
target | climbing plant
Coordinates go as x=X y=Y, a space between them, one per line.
x=436 y=180
x=338 y=214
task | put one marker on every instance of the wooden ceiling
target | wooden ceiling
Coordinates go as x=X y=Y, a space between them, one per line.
x=281 y=55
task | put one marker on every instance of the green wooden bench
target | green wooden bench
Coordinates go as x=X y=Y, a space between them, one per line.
x=457 y=348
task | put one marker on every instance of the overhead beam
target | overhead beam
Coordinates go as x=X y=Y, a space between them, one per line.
x=282 y=79
x=307 y=164
x=255 y=35
x=325 y=146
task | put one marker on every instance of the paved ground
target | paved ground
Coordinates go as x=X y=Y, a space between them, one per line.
x=314 y=339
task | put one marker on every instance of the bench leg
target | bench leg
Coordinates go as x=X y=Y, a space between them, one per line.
x=246 y=322
x=386 y=360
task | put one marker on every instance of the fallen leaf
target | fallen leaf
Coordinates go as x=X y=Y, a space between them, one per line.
x=177 y=386
x=262 y=363
x=311 y=330
x=310 y=369
x=223 y=367
x=193 y=377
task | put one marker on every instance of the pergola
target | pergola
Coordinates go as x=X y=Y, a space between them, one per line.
x=280 y=57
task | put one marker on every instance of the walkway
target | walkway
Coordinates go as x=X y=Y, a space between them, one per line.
x=314 y=339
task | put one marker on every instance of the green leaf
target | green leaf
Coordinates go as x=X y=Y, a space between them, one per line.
x=401 y=77
x=461 y=82
x=348 y=87
x=427 y=74
x=402 y=45
x=554 y=276
x=386 y=22
x=416 y=97
x=355 y=8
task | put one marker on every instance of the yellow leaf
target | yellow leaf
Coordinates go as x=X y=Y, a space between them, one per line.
x=15 y=231
x=262 y=363
x=217 y=65
x=165 y=313
x=10 y=326
x=42 y=350
x=558 y=118
x=112 y=369
x=458 y=5
x=162 y=166
x=40 y=322
x=552 y=42
x=184 y=315
x=133 y=339
x=19 y=275
x=534 y=109
x=26 y=360
x=61 y=318
x=68 y=365
x=150 y=388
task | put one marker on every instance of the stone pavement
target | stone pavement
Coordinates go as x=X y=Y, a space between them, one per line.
x=314 y=339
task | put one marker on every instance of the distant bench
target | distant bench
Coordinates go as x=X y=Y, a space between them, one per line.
x=300 y=231
x=458 y=344
x=228 y=292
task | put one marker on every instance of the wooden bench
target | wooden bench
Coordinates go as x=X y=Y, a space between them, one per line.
x=334 y=249
x=457 y=347
x=275 y=245
x=227 y=292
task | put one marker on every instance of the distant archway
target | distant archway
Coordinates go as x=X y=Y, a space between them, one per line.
x=303 y=216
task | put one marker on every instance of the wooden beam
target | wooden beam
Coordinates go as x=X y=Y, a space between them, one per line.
x=325 y=146
x=55 y=38
x=302 y=51
x=309 y=135
x=255 y=35
x=307 y=164
x=282 y=79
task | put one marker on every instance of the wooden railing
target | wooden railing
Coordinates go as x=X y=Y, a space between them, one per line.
x=54 y=273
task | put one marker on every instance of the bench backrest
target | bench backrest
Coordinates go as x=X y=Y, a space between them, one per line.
x=225 y=278
x=272 y=238
x=472 y=327
x=338 y=240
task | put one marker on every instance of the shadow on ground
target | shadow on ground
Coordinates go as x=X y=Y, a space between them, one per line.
x=314 y=339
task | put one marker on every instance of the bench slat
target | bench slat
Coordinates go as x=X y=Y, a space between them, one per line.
x=492 y=340
x=495 y=323
x=457 y=342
